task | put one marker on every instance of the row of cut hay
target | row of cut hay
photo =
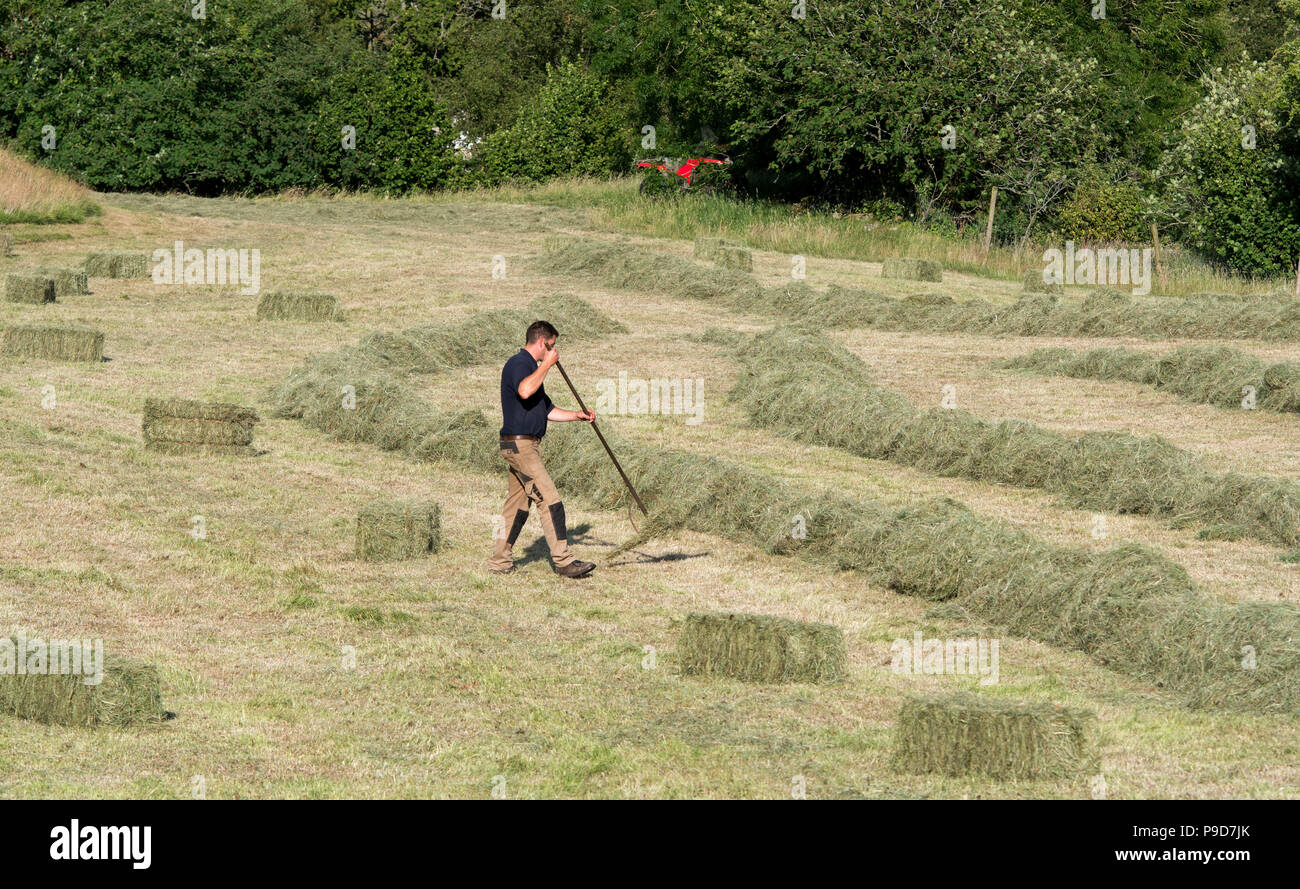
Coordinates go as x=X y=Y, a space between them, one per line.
x=282 y=305
x=629 y=267
x=29 y=288
x=978 y=735
x=181 y=426
x=390 y=531
x=53 y=343
x=1130 y=607
x=761 y=648
x=484 y=336
x=800 y=384
x=1202 y=374
x=117 y=264
x=129 y=694
x=1102 y=313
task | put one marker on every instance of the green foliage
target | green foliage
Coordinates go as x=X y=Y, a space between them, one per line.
x=1230 y=179
x=142 y=96
x=568 y=129
x=1100 y=211
x=831 y=102
x=403 y=134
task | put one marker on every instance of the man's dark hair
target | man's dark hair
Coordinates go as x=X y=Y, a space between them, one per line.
x=539 y=329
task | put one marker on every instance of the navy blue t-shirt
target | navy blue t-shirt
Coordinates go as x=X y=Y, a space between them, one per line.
x=522 y=416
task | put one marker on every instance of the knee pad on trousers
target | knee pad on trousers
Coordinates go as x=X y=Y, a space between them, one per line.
x=521 y=516
x=557 y=519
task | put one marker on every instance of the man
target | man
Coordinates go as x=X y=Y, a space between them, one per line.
x=525 y=408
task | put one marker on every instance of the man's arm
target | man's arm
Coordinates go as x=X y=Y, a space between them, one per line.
x=562 y=415
x=529 y=385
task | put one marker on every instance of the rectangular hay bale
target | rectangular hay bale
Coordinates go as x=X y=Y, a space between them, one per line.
x=287 y=306
x=1034 y=283
x=181 y=426
x=33 y=289
x=67 y=281
x=740 y=258
x=966 y=734
x=912 y=269
x=54 y=343
x=707 y=248
x=117 y=264
x=761 y=648
x=99 y=264
x=129 y=694
x=389 y=531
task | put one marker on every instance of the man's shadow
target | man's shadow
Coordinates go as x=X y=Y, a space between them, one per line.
x=538 y=551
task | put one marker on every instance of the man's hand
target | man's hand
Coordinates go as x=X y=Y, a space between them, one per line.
x=549 y=357
x=589 y=416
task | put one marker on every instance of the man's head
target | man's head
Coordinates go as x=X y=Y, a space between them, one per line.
x=540 y=338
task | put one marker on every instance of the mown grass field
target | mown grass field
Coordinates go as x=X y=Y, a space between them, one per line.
x=466 y=681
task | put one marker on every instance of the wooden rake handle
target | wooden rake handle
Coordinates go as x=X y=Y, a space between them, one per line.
x=626 y=480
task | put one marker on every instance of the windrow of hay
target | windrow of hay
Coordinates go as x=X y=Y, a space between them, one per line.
x=1103 y=313
x=181 y=426
x=839 y=405
x=282 y=305
x=761 y=648
x=117 y=264
x=1132 y=608
x=54 y=343
x=34 y=289
x=630 y=267
x=1202 y=374
x=67 y=281
x=912 y=269
x=966 y=734
x=129 y=694
x=389 y=531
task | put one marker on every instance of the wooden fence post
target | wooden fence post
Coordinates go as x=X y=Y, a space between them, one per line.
x=988 y=232
x=1160 y=266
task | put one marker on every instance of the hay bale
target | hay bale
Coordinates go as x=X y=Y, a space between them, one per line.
x=130 y=694
x=975 y=735
x=54 y=343
x=1035 y=283
x=34 y=289
x=117 y=264
x=388 y=532
x=99 y=264
x=912 y=269
x=131 y=265
x=739 y=258
x=707 y=248
x=180 y=426
x=761 y=648
x=67 y=281
x=287 y=306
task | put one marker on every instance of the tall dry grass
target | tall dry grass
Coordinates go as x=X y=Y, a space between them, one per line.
x=33 y=194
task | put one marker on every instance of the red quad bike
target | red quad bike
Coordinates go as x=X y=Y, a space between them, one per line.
x=666 y=174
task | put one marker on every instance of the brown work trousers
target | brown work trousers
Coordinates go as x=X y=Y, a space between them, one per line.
x=529 y=483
